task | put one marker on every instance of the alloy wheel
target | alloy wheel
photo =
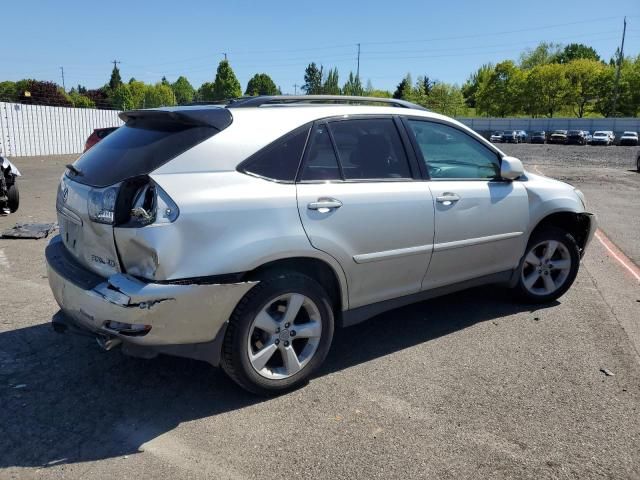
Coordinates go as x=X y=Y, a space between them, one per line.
x=284 y=336
x=546 y=267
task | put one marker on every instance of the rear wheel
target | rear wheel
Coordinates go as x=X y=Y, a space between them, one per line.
x=549 y=266
x=13 y=198
x=278 y=335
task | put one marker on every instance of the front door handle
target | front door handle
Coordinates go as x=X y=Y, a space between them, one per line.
x=324 y=205
x=447 y=198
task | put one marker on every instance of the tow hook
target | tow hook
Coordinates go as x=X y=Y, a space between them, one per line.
x=107 y=343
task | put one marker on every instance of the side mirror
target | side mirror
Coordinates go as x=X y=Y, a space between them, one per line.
x=511 y=168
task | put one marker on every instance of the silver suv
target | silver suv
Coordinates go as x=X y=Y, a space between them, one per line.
x=244 y=234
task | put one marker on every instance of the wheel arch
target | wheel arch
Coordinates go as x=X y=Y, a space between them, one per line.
x=321 y=271
x=577 y=224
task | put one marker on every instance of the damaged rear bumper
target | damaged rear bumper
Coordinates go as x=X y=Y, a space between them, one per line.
x=139 y=313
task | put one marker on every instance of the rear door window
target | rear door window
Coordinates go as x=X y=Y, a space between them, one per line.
x=370 y=149
x=321 y=162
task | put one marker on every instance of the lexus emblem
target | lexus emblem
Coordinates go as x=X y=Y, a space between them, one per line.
x=65 y=194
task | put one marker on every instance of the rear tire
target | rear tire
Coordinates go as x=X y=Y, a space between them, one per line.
x=549 y=266
x=279 y=334
x=13 y=198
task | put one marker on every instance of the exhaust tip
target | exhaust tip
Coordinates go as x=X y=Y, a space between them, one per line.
x=108 y=343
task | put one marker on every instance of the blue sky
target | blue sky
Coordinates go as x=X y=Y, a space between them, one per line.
x=444 y=40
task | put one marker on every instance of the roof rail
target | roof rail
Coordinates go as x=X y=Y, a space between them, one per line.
x=249 y=102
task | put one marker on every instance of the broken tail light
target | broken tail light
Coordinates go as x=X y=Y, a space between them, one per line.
x=142 y=202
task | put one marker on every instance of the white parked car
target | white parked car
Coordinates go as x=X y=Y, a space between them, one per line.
x=496 y=137
x=243 y=235
x=601 y=137
x=629 y=138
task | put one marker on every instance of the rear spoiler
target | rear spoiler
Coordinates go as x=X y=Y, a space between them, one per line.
x=219 y=118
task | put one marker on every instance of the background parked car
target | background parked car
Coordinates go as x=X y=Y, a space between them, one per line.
x=576 y=137
x=601 y=137
x=539 y=137
x=97 y=135
x=629 y=138
x=496 y=137
x=558 y=136
x=587 y=135
x=510 y=136
x=522 y=136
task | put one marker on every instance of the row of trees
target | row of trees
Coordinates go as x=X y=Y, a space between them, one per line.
x=546 y=81
x=550 y=80
x=137 y=94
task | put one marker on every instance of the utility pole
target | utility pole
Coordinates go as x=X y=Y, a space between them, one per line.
x=295 y=88
x=63 y=86
x=358 y=69
x=115 y=63
x=620 y=58
x=225 y=56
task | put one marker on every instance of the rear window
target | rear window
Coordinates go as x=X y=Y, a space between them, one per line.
x=137 y=149
x=280 y=160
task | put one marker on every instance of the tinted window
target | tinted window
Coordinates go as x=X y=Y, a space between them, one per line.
x=370 y=149
x=280 y=160
x=321 y=162
x=450 y=153
x=137 y=149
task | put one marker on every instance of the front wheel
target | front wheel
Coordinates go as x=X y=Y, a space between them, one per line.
x=279 y=334
x=549 y=266
x=13 y=198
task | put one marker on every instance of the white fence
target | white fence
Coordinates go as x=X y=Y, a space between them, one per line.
x=27 y=130
x=617 y=125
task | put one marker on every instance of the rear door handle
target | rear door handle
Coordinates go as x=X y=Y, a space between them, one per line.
x=448 y=198
x=324 y=205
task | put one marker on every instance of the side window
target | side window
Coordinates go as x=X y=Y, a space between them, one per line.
x=450 y=153
x=280 y=160
x=370 y=149
x=321 y=162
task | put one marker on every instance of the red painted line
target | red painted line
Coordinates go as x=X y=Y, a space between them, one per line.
x=617 y=254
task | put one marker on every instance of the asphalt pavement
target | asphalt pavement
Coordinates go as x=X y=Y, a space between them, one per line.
x=472 y=385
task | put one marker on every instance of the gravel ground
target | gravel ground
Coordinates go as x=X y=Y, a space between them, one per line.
x=471 y=385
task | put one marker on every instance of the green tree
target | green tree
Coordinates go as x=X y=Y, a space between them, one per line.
x=583 y=75
x=404 y=90
x=446 y=99
x=261 y=84
x=471 y=86
x=331 y=85
x=544 y=53
x=206 y=92
x=548 y=88
x=500 y=94
x=159 y=95
x=183 y=90
x=164 y=81
x=115 y=81
x=606 y=80
x=353 y=86
x=226 y=85
x=379 y=93
x=79 y=100
x=577 y=51
x=630 y=76
x=121 y=98
x=8 y=91
x=138 y=91
x=313 y=79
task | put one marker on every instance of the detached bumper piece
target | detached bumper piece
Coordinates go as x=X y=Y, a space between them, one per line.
x=147 y=318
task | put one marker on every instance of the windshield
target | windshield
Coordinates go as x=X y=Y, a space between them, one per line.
x=600 y=134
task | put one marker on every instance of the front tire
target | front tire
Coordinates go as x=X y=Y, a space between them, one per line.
x=13 y=198
x=549 y=266
x=279 y=334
